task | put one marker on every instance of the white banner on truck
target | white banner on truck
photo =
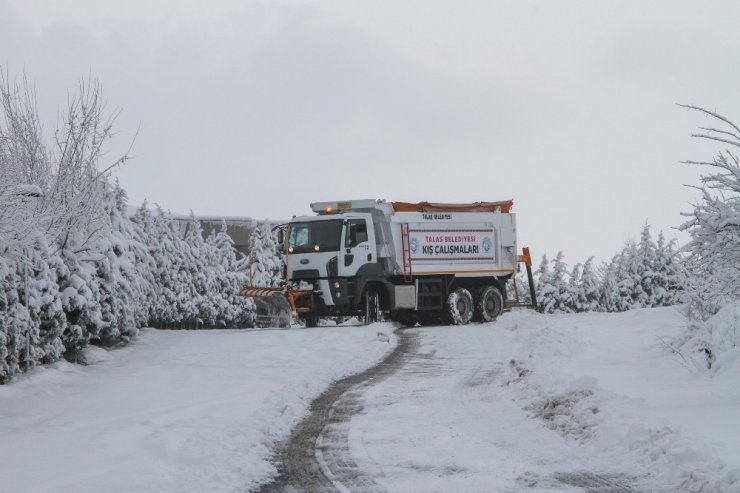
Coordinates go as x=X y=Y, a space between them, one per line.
x=452 y=244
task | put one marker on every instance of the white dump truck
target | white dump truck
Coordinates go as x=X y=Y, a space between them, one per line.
x=412 y=262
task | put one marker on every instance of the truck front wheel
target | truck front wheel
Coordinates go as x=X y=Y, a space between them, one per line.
x=489 y=304
x=372 y=306
x=459 y=307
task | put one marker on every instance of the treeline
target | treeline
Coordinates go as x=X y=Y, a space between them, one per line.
x=75 y=269
x=642 y=275
x=144 y=270
x=704 y=275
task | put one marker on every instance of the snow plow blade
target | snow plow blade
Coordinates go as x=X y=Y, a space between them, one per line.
x=294 y=302
x=273 y=309
x=300 y=301
x=251 y=292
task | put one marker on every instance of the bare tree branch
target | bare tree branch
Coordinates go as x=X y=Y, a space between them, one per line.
x=710 y=113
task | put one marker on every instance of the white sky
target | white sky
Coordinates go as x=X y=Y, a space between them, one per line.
x=258 y=108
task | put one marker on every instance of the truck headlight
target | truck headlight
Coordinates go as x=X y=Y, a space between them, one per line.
x=336 y=284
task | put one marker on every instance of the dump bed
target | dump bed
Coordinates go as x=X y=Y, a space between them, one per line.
x=424 y=238
x=467 y=240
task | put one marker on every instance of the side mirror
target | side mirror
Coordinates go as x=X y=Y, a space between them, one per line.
x=281 y=236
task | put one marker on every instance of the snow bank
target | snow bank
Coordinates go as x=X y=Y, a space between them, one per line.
x=607 y=382
x=724 y=334
x=186 y=411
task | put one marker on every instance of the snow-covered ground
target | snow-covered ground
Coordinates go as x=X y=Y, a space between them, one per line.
x=177 y=411
x=530 y=402
x=552 y=403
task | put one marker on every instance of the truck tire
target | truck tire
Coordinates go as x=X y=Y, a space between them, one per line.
x=459 y=307
x=489 y=304
x=372 y=306
x=311 y=321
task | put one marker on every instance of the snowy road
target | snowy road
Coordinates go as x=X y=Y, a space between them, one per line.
x=176 y=411
x=560 y=403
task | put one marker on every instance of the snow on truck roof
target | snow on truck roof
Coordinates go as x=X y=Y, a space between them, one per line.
x=340 y=205
x=503 y=206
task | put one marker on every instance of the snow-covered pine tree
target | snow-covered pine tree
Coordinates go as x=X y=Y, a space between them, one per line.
x=644 y=265
x=234 y=311
x=197 y=291
x=560 y=281
x=609 y=299
x=265 y=268
x=667 y=284
x=552 y=286
x=161 y=237
x=10 y=329
x=45 y=305
x=123 y=268
x=543 y=282
x=589 y=293
x=80 y=294
x=629 y=287
x=574 y=297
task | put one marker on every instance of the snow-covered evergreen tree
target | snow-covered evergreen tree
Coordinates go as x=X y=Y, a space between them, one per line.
x=161 y=237
x=45 y=305
x=574 y=296
x=197 y=279
x=234 y=311
x=644 y=265
x=543 y=284
x=667 y=273
x=265 y=268
x=552 y=286
x=609 y=297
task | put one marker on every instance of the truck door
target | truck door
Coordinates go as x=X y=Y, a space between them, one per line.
x=358 y=245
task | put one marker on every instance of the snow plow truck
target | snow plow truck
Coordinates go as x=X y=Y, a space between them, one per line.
x=410 y=262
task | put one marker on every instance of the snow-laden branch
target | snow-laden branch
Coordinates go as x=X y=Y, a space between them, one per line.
x=70 y=182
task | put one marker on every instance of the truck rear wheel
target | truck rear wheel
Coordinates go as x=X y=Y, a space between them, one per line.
x=311 y=321
x=489 y=304
x=459 y=307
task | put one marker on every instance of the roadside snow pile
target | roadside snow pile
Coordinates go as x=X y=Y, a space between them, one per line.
x=603 y=380
x=185 y=411
x=724 y=333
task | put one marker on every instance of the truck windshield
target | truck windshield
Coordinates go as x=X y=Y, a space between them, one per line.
x=315 y=236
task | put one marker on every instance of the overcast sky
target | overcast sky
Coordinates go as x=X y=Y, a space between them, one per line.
x=258 y=108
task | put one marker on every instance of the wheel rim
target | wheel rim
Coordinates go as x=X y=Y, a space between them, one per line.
x=490 y=305
x=462 y=305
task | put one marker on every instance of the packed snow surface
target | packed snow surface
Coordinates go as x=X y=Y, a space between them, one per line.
x=588 y=402
x=176 y=411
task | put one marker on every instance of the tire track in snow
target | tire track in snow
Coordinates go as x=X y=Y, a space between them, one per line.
x=316 y=457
